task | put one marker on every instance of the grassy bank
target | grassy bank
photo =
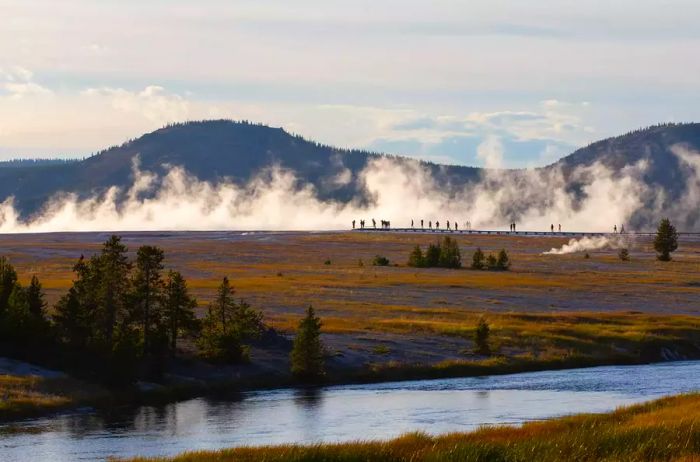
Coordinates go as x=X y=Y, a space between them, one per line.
x=667 y=429
x=30 y=396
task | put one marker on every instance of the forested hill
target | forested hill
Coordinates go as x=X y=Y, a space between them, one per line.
x=222 y=149
x=210 y=150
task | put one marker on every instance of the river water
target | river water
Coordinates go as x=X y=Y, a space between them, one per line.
x=341 y=413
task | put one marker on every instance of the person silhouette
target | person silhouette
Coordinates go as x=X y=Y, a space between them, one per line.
x=374 y=223
x=448 y=225
x=560 y=227
x=456 y=226
x=430 y=225
x=437 y=225
x=411 y=223
x=552 y=227
x=353 y=224
x=514 y=227
x=622 y=229
x=615 y=228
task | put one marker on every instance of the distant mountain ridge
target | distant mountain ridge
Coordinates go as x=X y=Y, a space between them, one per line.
x=219 y=150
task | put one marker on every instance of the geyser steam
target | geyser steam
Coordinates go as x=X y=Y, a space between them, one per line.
x=398 y=190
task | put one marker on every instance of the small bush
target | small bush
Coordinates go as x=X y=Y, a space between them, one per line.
x=381 y=350
x=380 y=261
x=586 y=256
x=624 y=254
x=327 y=262
x=502 y=261
x=432 y=256
x=416 y=259
x=491 y=262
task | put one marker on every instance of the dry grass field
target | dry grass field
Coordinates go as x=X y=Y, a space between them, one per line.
x=546 y=308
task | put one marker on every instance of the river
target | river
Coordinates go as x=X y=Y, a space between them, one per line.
x=341 y=413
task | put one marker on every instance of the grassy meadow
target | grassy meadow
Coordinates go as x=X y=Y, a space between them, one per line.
x=398 y=322
x=664 y=430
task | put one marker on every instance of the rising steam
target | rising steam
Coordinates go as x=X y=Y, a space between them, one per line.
x=398 y=190
x=592 y=243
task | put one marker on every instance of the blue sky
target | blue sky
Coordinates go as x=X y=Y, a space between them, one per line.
x=527 y=82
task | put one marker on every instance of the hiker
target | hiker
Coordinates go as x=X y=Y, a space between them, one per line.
x=411 y=223
x=448 y=225
x=552 y=227
x=560 y=227
x=374 y=223
x=430 y=225
x=615 y=228
x=622 y=229
x=456 y=226
x=514 y=227
x=437 y=225
x=353 y=224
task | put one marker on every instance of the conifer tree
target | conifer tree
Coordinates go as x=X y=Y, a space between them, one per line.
x=666 y=240
x=481 y=338
x=307 y=353
x=113 y=287
x=148 y=292
x=416 y=259
x=478 y=259
x=179 y=308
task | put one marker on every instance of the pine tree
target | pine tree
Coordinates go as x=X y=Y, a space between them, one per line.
x=148 y=292
x=478 y=259
x=113 y=287
x=502 y=261
x=481 y=338
x=224 y=305
x=70 y=320
x=450 y=256
x=666 y=240
x=432 y=255
x=416 y=258
x=307 y=352
x=178 y=309
x=35 y=300
x=8 y=279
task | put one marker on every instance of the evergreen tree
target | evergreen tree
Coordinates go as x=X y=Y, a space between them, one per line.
x=450 y=256
x=491 y=262
x=148 y=294
x=113 y=287
x=478 y=259
x=416 y=258
x=502 y=261
x=178 y=308
x=481 y=338
x=666 y=240
x=8 y=279
x=35 y=300
x=224 y=305
x=307 y=353
x=432 y=255
x=70 y=319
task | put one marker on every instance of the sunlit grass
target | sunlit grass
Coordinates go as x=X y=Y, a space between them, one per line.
x=667 y=429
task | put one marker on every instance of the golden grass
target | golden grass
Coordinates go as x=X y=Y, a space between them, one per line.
x=667 y=429
x=23 y=396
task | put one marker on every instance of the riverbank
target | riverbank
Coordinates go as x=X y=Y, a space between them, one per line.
x=665 y=429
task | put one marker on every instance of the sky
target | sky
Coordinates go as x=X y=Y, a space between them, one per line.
x=488 y=83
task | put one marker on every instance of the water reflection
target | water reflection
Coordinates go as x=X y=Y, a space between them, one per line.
x=342 y=413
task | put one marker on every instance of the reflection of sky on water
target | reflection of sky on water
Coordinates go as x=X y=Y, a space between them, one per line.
x=345 y=412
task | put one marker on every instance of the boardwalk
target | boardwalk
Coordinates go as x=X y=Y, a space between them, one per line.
x=515 y=233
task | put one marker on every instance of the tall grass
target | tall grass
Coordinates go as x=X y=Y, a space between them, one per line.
x=667 y=429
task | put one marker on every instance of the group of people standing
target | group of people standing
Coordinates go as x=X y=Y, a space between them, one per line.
x=385 y=224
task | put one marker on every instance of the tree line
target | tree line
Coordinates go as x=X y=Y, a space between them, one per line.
x=446 y=254
x=122 y=318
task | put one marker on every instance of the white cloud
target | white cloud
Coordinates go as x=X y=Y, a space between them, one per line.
x=153 y=102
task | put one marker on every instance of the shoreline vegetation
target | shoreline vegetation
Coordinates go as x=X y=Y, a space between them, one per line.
x=26 y=397
x=664 y=429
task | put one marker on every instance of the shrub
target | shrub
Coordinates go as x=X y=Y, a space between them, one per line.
x=380 y=261
x=327 y=262
x=478 y=260
x=586 y=256
x=624 y=254
x=666 y=240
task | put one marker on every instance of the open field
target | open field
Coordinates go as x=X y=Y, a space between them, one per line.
x=666 y=429
x=397 y=321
